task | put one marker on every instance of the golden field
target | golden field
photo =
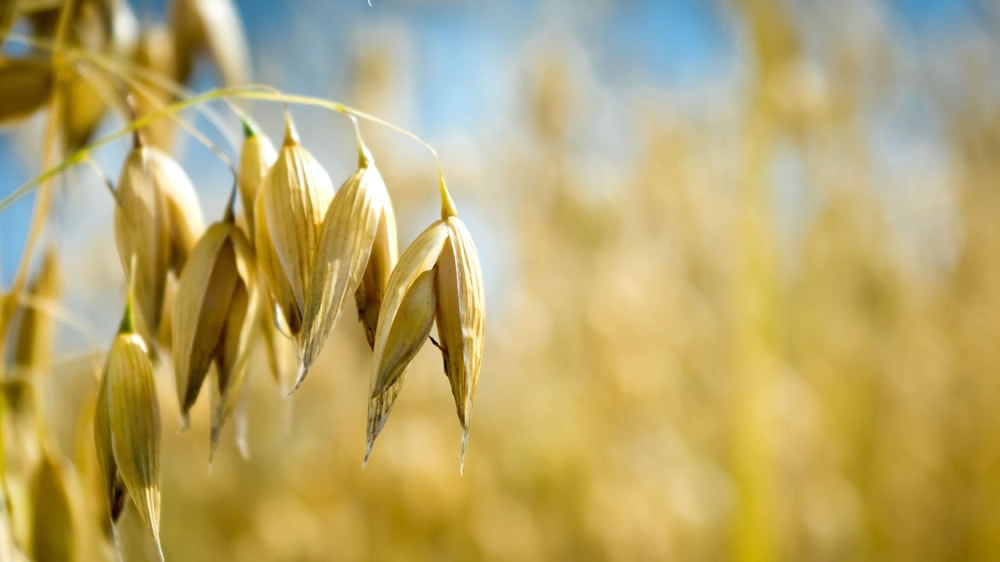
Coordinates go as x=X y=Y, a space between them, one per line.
x=753 y=333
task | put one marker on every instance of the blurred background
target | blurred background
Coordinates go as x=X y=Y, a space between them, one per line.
x=742 y=263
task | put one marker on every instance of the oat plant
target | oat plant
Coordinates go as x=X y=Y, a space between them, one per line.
x=289 y=254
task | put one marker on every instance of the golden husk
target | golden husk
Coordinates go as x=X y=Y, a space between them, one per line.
x=290 y=207
x=158 y=219
x=113 y=486
x=256 y=158
x=204 y=289
x=368 y=298
x=215 y=318
x=134 y=420
x=405 y=320
x=345 y=243
x=438 y=278
x=460 y=318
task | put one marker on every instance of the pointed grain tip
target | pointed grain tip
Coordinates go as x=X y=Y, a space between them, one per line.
x=185 y=422
x=447 y=203
x=248 y=129
x=159 y=545
x=368 y=452
x=213 y=445
x=243 y=447
x=291 y=135
x=300 y=377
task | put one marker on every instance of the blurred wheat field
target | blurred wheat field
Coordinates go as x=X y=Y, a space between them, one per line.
x=762 y=331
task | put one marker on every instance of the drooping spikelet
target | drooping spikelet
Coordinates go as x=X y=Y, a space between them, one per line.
x=384 y=253
x=127 y=427
x=158 y=219
x=115 y=494
x=438 y=278
x=214 y=318
x=291 y=204
x=256 y=158
x=349 y=243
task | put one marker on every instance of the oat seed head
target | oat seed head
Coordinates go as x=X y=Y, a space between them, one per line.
x=347 y=236
x=256 y=158
x=134 y=421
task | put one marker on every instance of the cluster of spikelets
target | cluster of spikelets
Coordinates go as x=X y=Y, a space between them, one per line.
x=282 y=269
x=290 y=267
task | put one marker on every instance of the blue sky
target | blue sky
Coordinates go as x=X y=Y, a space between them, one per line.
x=460 y=48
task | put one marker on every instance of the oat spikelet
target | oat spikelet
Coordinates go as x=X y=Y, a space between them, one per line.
x=404 y=323
x=347 y=237
x=128 y=419
x=384 y=254
x=214 y=318
x=158 y=219
x=256 y=158
x=286 y=310
x=204 y=290
x=438 y=278
x=114 y=492
x=461 y=319
x=291 y=205
x=134 y=419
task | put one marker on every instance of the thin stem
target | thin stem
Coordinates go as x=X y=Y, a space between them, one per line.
x=447 y=203
x=145 y=92
x=80 y=155
x=242 y=92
